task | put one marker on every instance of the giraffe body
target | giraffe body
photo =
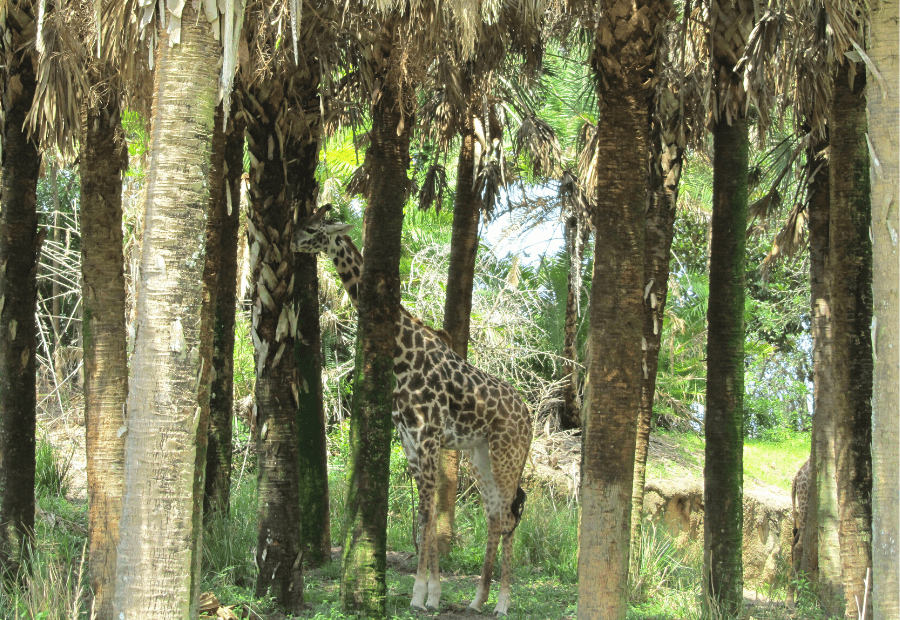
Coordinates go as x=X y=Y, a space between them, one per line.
x=443 y=402
x=800 y=503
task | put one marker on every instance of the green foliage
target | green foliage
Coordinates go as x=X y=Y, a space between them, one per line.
x=54 y=587
x=667 y=577
x=229 y=539
x=51 y=470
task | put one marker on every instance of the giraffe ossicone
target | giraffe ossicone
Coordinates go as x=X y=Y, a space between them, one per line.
x=443 y=401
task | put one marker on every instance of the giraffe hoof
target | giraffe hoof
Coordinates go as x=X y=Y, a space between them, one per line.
x=418 y=609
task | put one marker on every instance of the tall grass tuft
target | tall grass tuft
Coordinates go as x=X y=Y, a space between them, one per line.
x=666 y=576
x=52 y=587
x=229 y=540
x=51 y=471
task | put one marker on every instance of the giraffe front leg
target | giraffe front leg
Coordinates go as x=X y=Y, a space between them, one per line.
x=420 y=588
x=426 y=479
x=434 y=571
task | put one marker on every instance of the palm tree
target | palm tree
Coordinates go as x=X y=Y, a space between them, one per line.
x=850 y=281
x=883 y=132
x=730 y=25
x=161 y=523
x=667 y=145
x=621 y=67
x=225 y=180
x=281 y=107
x=20 y=246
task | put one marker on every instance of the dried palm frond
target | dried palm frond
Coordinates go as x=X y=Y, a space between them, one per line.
x=61 y=83
x=575 y=198
x=538 y=139
x=790 y=240
x=360 y=182
x=432 y=192
x=490 y=182
x=588 y=141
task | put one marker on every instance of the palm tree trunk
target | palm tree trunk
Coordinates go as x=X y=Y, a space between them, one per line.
x=614 y=363
x=666 y=149
x=883 y=132
x=273 y=185
x=315 y=517
x=225 y=186
x=825 y=521
x=20 y=246
x=457 y=314
x=570 y=415
x=103 y=160
x=851 y=302
x=157 y=573
x=723 y=469
x=363 y=584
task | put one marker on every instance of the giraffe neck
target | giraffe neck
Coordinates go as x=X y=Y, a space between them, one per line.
x=348 y=262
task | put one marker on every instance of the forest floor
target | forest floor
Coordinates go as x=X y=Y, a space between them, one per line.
x=537 y=593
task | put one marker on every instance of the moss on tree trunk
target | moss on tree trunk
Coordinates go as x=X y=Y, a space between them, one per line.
x=20 y=245
x=724 y=427
x=225 y=188
x=363 y=584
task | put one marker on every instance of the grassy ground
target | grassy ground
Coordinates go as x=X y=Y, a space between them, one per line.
x=665 y=586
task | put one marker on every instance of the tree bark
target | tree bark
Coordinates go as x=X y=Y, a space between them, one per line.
x=885 y=137
x=160 y=529
x=666 y=150
x=457 y=315
x=614 y=363
x=103 y=160
x=274 y=178
x=723 y=469
x=851 y=302
x=570 y=415
x=825 y=522
x=315 y=517
x=363 y=585
x=225 y=188
x=20 y=246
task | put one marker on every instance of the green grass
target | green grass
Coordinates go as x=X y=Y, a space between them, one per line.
x=776 y=462
x=766 y=461
x=665 y=585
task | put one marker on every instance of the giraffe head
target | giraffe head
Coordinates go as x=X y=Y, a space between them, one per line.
x=315 y=234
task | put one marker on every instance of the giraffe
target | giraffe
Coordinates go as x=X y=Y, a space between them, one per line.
x=800 y=502
x=442 y=401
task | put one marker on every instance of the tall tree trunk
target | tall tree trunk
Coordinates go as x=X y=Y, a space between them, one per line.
x=723 y=469
x=614 y=362
x=851 y=302
x=457 y=315
x=274 y=179
x=20 y=246
x=103 y=160
x=315 y=517
x=157 y=573
x=570 y=415
x=885 y=137
x=666 y=150
x=225 y=188
x=825 y=522
x=363 y=585
x=731 y=22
